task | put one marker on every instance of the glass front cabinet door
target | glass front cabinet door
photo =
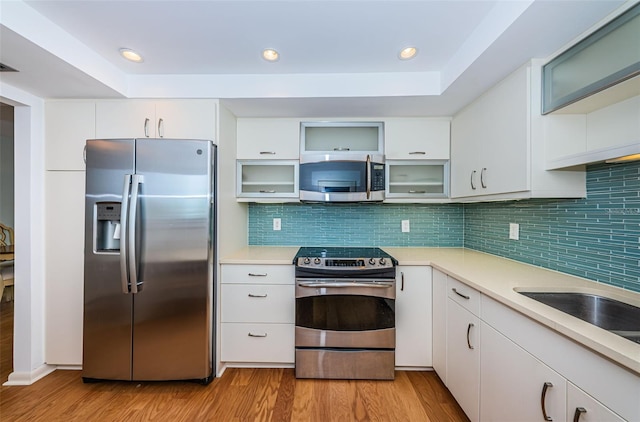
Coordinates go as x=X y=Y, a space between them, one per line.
x=267 y=180
x=409 y=179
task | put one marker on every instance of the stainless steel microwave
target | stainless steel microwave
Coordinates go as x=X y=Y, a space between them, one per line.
x=342 y=178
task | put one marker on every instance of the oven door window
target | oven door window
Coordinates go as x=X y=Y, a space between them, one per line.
x=345 y=313
x=334 y=176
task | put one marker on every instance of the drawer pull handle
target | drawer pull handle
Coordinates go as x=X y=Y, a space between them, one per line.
x=267 y=191
x=257 y=275
x=257 y=335
x=417 y=153
x=579 y=412
x=460 y=294
x=253 y=295
x=543 y=403
x=417 y=191
x=468 y=332
x=267 y=153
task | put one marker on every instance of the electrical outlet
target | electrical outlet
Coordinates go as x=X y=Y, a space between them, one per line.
x=277 y=224
x=514 y=231
x=406 y=228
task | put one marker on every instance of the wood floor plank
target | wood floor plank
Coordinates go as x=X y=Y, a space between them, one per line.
x=241 y=394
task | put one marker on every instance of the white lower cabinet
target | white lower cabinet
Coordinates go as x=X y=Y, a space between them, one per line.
x=257 y=343
x=515 y=386
x=413 y=316
x=581 y=407
x=503 y=366
x=439 y=290
x=463 y=358
x=257 y=314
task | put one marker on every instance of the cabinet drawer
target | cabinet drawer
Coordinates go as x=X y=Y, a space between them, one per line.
x=258 y=302
x=464 y=295
x=257 y=343
x=258 y=274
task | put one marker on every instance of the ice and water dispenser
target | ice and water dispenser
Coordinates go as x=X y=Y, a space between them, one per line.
x=107 y=227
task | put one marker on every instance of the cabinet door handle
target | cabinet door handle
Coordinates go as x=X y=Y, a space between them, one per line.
x=257 y=274
x=401 y=281
x=342 y=149
x=473 y=177
x=468 y=332
x=543 y=398
x=417 y=153
x=146 y=127
x=417 y=191
x=267 y=153
x=161 y=128
x=578 y=413
x=267 y=191
x=254 y=295
x=460 y=294
x=257 y=335
x=84 y=154
x=482 y=173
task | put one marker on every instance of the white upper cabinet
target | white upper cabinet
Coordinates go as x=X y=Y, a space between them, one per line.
x=490 y=141
x=604 y=58
x=125 y=119
x=268 y=138
x=186 y=119
x=417 y=138
x=498 y=145
x=342 y=137
x=68 y=124
x=601 y=134
x=180 y=119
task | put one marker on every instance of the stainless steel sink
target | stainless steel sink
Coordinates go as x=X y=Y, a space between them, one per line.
x=617 y=317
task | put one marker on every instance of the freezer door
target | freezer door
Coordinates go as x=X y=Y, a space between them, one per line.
x=172 y=319
x=107 y=309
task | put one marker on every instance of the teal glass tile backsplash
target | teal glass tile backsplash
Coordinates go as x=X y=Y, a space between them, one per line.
x=437 y=225
x=597 y=238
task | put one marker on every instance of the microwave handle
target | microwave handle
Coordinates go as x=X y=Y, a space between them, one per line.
x=368 y=176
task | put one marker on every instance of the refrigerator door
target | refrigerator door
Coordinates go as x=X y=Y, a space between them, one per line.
x=108 y=309
x=172 y=311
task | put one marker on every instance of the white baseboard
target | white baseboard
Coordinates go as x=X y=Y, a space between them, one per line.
x=28 y=378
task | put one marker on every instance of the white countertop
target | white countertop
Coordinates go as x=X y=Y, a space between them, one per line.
x=262 y=255
x=497 y=278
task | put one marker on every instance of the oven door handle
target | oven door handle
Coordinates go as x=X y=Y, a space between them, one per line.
x=332 y=284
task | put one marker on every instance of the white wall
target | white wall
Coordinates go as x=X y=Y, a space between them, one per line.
x=28 y=343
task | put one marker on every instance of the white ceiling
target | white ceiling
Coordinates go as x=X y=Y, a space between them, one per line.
x=338 y=57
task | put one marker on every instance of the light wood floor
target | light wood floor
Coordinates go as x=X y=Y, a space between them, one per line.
x=239 y=395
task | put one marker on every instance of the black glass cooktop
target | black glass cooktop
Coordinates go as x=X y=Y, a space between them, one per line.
x=342 y=252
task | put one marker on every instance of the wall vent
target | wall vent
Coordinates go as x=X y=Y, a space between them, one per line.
x=5 y=68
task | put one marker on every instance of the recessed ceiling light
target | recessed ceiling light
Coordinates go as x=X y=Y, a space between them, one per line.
x=408 y=53
x=270 y=55
x=131 y=55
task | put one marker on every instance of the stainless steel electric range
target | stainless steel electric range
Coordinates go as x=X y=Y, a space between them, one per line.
x=345 y=313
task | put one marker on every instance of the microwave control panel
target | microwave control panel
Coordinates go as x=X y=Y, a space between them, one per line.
x=377 y=176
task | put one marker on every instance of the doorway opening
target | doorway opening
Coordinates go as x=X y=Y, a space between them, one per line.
x=7 y=239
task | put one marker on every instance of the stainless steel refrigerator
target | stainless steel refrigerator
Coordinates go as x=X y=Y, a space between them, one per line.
x=149 y=260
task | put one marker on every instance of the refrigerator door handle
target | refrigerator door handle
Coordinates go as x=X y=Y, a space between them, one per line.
x=136 y=180
x=124 y=273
